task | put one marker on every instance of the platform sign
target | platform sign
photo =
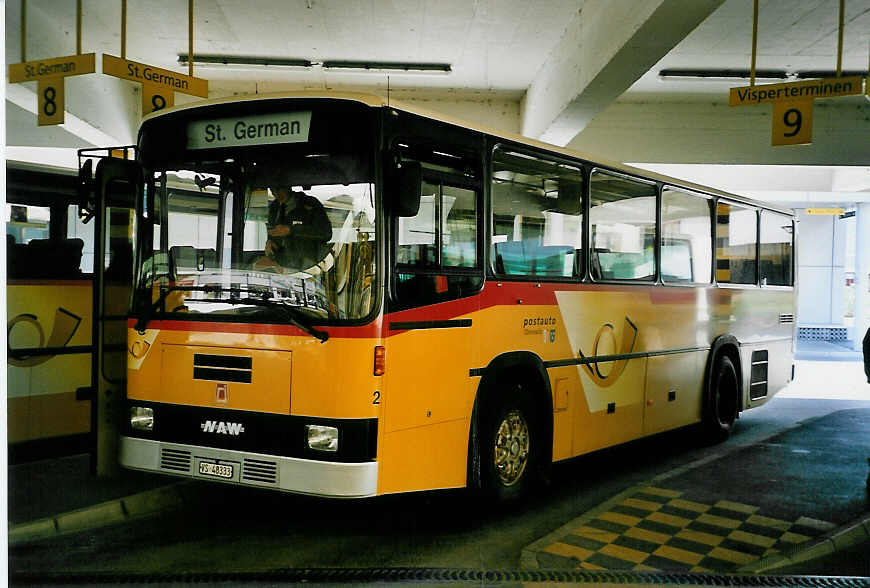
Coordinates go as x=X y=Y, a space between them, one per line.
x=792 y=123
x=156 y=98
x=795 y=91
x=158 y=85
x=50 y=101
x=793 y=104
x=50 y=75
x=826 y=211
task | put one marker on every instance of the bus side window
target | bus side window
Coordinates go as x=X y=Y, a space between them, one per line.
x=736 y=243
x=776 y=253
x=687 y=251
x=537 y=221
x=622 y=218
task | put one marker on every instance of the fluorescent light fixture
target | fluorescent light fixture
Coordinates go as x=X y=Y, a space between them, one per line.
x=721 y=75
x=243 y=62
x=389 y=67
x=247 y=63
x=741 y=75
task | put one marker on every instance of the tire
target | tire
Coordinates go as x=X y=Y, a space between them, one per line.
x=720 y=414
x=508 y=448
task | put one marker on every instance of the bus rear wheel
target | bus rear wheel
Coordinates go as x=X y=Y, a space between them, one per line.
x=508 y=449
x=722 y=400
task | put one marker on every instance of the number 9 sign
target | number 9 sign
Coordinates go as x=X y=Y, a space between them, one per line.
x=792 y=123
x=155 y=97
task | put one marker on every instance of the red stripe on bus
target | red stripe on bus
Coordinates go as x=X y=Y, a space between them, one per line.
x=494 y=294
x=78 y=282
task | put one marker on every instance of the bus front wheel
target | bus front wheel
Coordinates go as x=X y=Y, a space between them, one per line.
x=508 y=449
x=722 y=400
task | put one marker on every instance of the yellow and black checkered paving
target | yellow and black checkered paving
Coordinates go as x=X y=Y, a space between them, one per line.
x=656 y=529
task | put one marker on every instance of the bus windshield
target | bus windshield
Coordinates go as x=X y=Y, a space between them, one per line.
x=261 y=232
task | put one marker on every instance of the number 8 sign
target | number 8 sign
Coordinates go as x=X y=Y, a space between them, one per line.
x=792 y=123
x=50 y=102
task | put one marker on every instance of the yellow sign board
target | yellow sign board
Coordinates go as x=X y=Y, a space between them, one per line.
x=828 y=211
x=50 y=102
x=59 y=67
x=792 y=123
x=795 y=91
x=155 y=76
x=49 y=75
x=156 y=98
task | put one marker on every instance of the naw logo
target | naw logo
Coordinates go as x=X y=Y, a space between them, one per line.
x=222 y=428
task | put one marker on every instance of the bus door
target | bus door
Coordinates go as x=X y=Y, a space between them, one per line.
x=431 y=343
x=114 y=238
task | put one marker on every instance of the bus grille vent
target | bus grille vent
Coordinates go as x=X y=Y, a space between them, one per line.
x=786 y=318
x=758 y=377
x=259 y=471
x=175 y=459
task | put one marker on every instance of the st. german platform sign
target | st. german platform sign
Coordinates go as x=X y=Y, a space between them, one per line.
x=793 y=104
x=49 y=75
x=158 y=85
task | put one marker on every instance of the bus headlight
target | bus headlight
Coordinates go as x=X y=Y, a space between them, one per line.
x=141 y=418
x=322 y=438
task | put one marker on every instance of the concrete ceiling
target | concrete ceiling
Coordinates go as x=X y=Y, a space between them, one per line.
x=563 y=62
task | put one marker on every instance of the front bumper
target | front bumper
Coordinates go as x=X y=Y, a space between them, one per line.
x=290 y=474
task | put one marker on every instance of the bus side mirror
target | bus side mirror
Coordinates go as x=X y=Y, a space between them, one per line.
x=404 y=189
x=86 y=191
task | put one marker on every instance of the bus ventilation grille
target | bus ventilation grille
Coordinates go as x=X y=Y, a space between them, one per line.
x=259 y=471
x=786 y=318
x=758 y=378
x=175 y=460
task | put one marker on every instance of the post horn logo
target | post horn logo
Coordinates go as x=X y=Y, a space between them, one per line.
x=65 y=326
x=607 y=374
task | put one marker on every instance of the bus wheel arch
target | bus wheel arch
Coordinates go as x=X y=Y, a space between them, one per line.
x=723 y=389
x=514 y=395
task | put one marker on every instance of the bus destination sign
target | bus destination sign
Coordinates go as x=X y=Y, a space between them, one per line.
x=265 y=129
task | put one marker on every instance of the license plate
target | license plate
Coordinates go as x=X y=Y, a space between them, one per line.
x=215 y=470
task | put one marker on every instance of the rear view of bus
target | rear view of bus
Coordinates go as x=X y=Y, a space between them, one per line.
x=253 y=342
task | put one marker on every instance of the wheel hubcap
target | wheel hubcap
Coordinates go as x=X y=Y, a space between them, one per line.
x=511 y=448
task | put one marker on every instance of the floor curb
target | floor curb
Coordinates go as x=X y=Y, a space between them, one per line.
x=143 y=504
x=841 y=538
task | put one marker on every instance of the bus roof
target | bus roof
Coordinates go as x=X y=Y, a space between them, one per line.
x=376 y=101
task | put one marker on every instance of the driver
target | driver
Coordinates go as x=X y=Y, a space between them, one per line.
x=298 y=228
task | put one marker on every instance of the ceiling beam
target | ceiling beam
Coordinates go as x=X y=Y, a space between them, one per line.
x=99 y=110
x=25 y=98
x=604 y=50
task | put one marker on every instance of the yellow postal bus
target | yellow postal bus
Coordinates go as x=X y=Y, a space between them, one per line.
x=479 y=306
x=49 y=309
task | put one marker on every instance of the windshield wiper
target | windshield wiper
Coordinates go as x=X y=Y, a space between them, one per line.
x=165 y=291
x=288 y=311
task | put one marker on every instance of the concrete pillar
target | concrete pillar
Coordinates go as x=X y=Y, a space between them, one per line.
x=862 y=269
x=821 y=271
